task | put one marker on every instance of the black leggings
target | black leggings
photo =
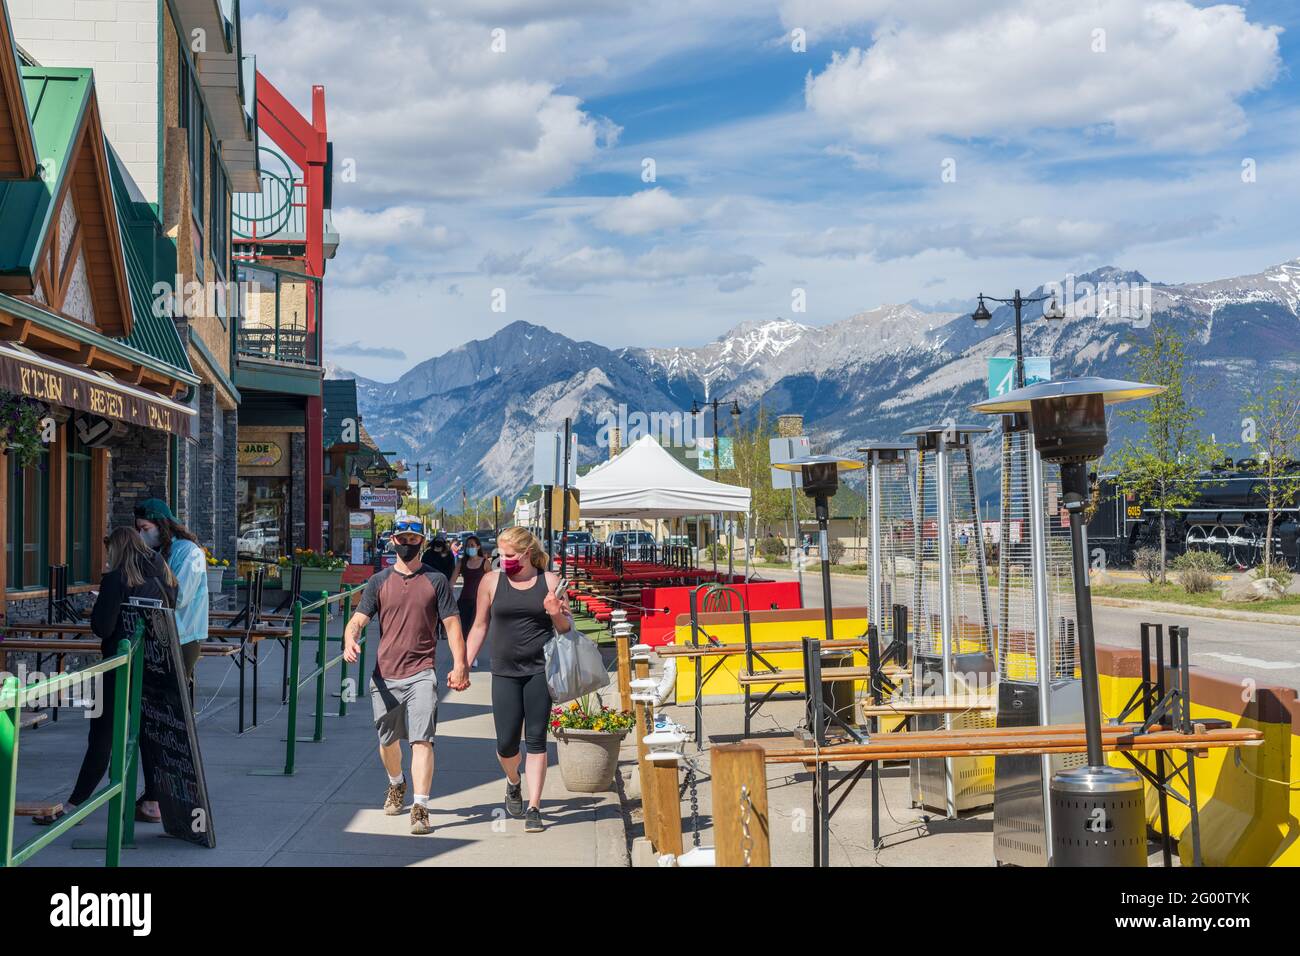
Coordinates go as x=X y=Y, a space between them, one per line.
x=520 y=702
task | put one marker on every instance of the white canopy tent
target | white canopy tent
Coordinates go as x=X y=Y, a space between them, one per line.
x=644 y=481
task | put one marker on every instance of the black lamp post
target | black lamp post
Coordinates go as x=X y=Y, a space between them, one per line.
x=982 y=317
x=1068 y=418
x=696 y=408
x=418 y=466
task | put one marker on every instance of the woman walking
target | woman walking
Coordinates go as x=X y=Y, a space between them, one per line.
x=470 y=570
x=183 y=554
x=134 y=571
x=519 y=610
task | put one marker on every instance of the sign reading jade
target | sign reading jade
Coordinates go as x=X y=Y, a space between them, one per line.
x=169 y=743
x=260 y=454
x=57 y=387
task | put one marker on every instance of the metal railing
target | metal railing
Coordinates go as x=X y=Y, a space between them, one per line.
x=119 y=794
x=324 y=663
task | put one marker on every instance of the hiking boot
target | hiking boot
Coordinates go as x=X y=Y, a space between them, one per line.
x=395 y=798
x=515 y=799
x=533 y=821
x=420 y=819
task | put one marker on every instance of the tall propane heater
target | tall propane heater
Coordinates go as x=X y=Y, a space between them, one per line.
x=952 y=631
x=1098 y=813
x=891 y=508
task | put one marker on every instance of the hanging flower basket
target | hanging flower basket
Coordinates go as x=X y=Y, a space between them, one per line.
x=20 y=427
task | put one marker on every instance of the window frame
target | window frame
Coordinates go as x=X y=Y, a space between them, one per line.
x=16 y=541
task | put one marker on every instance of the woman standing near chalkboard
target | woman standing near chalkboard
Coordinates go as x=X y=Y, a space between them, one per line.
x=134 y=571
x=184 y=555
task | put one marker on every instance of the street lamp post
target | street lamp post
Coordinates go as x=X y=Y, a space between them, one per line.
x=982 y=317
x=418 y=466
x=696 y=408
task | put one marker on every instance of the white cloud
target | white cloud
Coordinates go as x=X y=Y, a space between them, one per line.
x=600 y=265
x=1171 y=74
x=650 y=210
x=390 y=225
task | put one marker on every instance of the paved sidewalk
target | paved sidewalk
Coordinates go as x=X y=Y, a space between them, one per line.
x=328 y=813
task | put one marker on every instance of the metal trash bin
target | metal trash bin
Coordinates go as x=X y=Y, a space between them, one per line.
x=1098 y=818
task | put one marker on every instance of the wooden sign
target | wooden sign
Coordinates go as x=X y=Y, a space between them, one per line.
x=168 y=735
x=48 y=383
x=259 y=454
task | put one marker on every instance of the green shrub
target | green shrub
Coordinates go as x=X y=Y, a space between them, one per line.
x=1196 y=580
x=836 y=549
x=1211 y=561
x=772 y=549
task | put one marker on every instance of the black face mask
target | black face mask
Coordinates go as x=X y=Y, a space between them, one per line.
x=407 y=552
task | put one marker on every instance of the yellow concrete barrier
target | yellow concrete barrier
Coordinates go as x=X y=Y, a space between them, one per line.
x=1249 y=799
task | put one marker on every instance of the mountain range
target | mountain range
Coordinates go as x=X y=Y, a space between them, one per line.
x=473 y=410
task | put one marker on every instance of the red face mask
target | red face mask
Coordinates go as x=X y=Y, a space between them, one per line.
x=511 y=565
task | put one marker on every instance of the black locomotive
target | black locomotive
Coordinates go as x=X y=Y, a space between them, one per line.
x=1227 y=513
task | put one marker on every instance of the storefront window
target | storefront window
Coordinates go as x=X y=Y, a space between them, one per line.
x=27 y=527
x=79 y=495
x=263 y=518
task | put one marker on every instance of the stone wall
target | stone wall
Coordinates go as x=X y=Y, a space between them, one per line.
x=298 y=491
x=226 y=479
x=137 y=470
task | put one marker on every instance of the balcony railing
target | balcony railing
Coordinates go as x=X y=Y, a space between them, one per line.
x=279 y=316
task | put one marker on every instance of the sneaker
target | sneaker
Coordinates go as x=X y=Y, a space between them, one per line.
x=515 y=799
x=533 y=821
x=420 y=820
x=395 y=798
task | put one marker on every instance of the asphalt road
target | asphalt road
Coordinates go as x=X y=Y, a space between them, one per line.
x=1269 y=653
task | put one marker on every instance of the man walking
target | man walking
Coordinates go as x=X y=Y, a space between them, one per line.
x=411 y=601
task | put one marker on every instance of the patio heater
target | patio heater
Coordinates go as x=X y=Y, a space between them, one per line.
x=1097 y=812
x=1038 y=659
x=821 y=480
x=952 y=628
x=891 y=505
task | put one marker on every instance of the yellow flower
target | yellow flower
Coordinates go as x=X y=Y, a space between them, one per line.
x=600 y=725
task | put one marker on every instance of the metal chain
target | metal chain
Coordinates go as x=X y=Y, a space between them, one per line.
x=746 y=839
x=695 y=801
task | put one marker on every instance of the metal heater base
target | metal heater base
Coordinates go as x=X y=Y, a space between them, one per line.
x=1019 y=828
x=972 y=777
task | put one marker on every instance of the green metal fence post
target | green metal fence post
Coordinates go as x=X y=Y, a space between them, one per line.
x=343 y=665
x=295 y=669
x=322 y=650
x=135 y=683
x=118 y=763
x=9 y=717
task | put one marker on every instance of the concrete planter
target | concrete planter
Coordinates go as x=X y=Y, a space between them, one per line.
x=215 y=578
x=588 y=759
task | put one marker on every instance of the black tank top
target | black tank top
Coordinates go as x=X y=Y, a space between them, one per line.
x=519 y=628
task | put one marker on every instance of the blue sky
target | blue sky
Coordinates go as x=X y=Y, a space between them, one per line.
x=912 y=150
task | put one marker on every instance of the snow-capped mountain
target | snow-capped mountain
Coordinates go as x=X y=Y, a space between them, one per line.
x=472 y=410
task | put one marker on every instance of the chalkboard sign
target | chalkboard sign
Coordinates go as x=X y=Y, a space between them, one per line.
x=169 y=744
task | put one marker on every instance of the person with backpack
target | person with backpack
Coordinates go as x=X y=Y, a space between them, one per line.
x=134 y=571
x=410 y=601
x=518 y=610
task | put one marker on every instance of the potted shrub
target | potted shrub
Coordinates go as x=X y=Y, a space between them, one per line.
x=216 y=572
x=20 y=428
x=321 y=571
x=588 y=737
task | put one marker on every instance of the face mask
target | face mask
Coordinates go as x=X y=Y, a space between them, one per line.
x=151 y=537
x=511 y=565
x=472 y=551
x=407 y=552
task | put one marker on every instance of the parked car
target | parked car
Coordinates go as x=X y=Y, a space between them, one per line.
x=635 y=545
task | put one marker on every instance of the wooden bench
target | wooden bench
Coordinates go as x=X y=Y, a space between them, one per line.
x=771 y=647
x=957 y=704
x=829 y=675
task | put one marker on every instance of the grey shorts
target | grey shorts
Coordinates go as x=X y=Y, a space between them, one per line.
x=405 y=708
